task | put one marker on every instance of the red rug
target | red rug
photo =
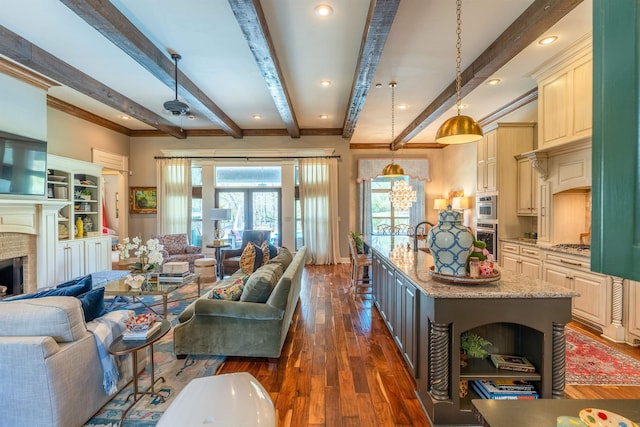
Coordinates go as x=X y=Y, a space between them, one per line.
x=593 y=363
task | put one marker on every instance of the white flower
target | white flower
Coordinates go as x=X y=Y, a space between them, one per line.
x=149 y=254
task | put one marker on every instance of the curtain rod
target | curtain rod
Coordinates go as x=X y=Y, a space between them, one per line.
x=245 y=157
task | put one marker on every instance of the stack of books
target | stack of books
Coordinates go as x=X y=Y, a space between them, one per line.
x=141 y=335
x=173 y=277
x=504 y=389
x=512 y=363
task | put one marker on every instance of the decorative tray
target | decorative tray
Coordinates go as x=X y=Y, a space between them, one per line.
x=465 y=280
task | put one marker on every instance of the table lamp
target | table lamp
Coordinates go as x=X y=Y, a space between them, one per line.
x=217 y=214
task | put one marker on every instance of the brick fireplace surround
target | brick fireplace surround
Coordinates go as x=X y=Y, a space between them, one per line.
x=21 y=245
x=28 y=228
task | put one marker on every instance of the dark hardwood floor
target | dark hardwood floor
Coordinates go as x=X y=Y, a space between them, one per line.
x=340 y=366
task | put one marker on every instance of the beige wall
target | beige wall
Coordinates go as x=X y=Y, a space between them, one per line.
x=459 y=173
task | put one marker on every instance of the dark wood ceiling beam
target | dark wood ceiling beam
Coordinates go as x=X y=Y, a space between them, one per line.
x=26 y=53
x=110 y=22
x=253 y=24
x=72 y=110
x=381 y=16
x=509 y=108
x=531 y=24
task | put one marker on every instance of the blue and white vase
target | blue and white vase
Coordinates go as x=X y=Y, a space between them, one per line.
x=450 y=243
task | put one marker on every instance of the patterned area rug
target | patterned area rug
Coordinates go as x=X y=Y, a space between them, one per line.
x=177 y=373
x=590 y=362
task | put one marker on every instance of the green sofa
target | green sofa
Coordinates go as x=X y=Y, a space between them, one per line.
x=240 y=328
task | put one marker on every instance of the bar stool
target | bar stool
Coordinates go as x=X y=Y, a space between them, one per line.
x=360 y=270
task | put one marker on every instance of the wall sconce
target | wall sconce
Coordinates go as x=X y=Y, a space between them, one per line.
x=440 y=204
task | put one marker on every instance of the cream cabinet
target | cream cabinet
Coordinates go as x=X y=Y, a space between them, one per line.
x=520 y=258
x=97 y=254
x=69 y=260
x=573 y=272
x=565 y=97
x=487 y=162
x=527 y=197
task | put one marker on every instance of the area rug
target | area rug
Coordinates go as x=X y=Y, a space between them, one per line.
x=589 y=362
x=177 y=373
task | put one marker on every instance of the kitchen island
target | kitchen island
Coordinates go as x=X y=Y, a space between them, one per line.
x=426 y=317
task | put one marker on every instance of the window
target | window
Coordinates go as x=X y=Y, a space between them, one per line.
x=382 y=211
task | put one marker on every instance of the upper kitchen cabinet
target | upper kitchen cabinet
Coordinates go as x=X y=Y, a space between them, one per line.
x=527 y=198
x=498 y=169
x=565 y=96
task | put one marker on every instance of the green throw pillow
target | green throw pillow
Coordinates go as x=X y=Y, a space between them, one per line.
x=261 y=283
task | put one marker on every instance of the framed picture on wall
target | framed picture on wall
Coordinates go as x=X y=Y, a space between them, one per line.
x=143 y=200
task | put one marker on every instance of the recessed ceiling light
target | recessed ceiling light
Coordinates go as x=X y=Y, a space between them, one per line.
x=493 y=82
x=547 y=40
x=403 y=106
x=462 y=106
x=325 y=83
x=125 y=117
x=378 y=85
x=191 y=117
x=323 y=10
x=257 y=117
x=324 y=116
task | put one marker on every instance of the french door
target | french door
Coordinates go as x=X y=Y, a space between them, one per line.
x=251 y=209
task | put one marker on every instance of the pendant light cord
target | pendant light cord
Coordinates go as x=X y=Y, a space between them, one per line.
x=458 y=54
x=175 y=57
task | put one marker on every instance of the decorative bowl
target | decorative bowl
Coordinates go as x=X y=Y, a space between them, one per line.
x=141 y=322
x=134 y=281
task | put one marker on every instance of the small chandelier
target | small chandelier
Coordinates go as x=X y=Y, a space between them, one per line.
x=459 y=129
x=393 y=169
x=402 y=195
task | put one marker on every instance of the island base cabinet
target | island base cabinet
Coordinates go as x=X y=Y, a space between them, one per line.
x=530 y=327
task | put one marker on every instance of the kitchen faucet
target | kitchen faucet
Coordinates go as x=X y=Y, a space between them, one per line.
x=415 y=234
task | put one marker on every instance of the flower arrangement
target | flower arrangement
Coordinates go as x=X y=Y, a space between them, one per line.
x=149 y=254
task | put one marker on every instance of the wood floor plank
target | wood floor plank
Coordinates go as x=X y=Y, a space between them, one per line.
x=340 y=365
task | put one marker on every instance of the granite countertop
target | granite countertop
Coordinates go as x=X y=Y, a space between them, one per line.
x=586 y=253
x=416 y=265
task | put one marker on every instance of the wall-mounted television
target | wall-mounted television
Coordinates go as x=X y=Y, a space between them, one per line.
x=23 y=165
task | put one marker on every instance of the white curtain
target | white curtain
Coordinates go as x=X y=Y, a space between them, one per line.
x=174 y=195
x=319 y=209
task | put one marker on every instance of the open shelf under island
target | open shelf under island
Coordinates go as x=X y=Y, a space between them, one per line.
x=518 y=315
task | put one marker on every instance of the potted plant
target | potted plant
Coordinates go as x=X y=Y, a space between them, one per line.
x=471 y=345
x=85 y=194
x=357 y=239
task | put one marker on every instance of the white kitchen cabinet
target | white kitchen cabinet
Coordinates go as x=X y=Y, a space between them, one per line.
x=633 y=311
x=69 y=260
x=487 y=162
x=573 y=272
x=519 y=258
x=527 y=197
x=544 y=212
x=565 y=97
x=97 y=254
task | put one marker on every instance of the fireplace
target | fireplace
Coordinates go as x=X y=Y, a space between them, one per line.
x=11 y=276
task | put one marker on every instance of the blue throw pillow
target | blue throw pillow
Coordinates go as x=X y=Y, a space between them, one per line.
x=85 y=281
x=72 y=288
x=92 y=304
x=273 y=251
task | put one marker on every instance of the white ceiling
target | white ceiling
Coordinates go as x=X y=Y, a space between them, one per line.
x=419 y=55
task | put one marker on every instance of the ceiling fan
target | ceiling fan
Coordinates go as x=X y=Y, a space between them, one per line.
x=176 y=107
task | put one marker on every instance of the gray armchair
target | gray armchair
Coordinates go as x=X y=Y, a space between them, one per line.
x=231 y=257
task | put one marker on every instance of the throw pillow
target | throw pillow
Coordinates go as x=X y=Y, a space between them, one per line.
x=92 y=304
x=72 y=288
x=251 y=258
x=261 y=283
x=264 y=247
x=229 y=291
x=85 y=281
x=284 y=258
x=273 y=251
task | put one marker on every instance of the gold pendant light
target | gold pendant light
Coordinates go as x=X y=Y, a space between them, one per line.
x=459 y=129
x=392 y=169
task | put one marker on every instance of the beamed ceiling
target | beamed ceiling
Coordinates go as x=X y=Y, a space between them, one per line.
x=111 y=62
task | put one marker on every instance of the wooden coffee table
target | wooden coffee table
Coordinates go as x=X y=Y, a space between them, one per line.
x=121 y=347
x=120 y=288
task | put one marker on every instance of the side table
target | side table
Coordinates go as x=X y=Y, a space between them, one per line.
x=219 y=257
x=121 y=347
